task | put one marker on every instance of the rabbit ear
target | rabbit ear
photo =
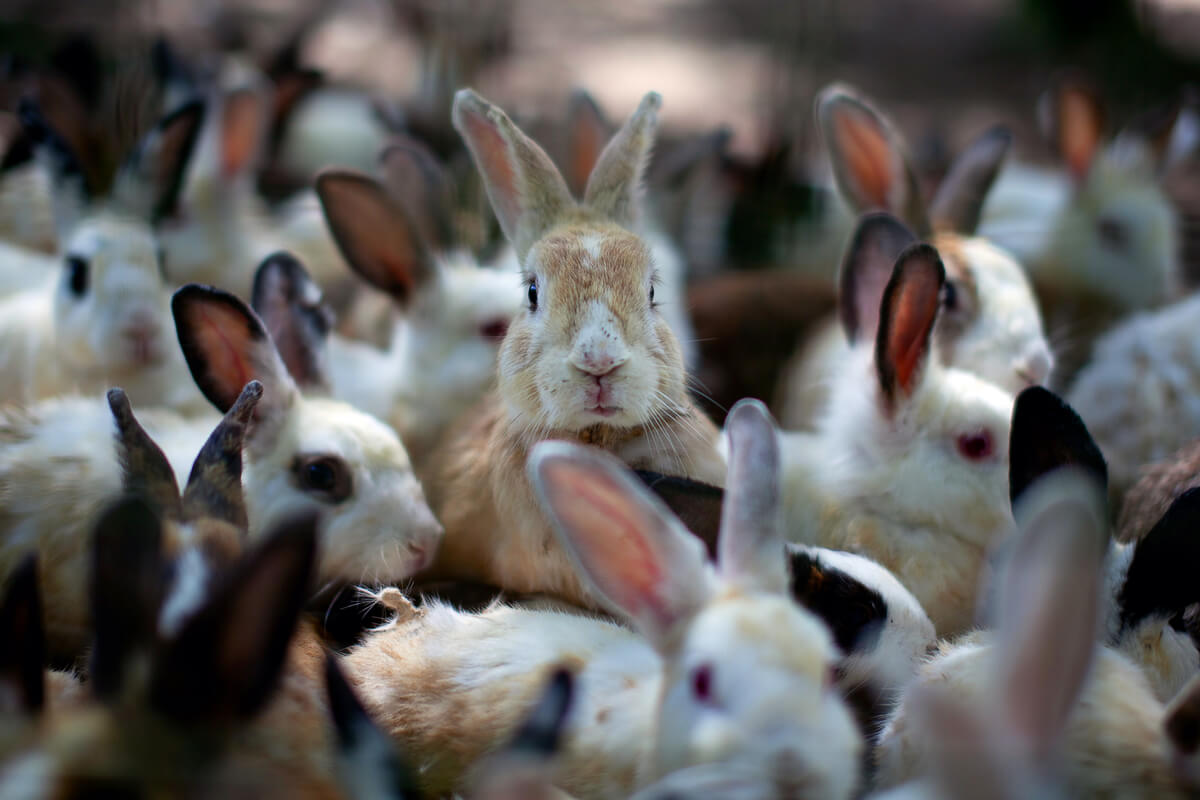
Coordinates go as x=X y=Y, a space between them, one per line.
x=623 y=540
x=907 y=315
x=127 y=586
x=152 y=178
x=750 y=548
x=214 y=487
x=1049 y=605
x=226 y=347
x=291 y=306
x=23 y=657
x=372 y=767
x=587 y=133
x=227 y=658
x=243 y=124
x=1161 y=576
x=527 y=192
x=145 y=470
x=614 y=188
x=1072 y=119
x=1048 y=434
x=698 y=505
x=867 y=267
x=413 y=174
x=958 y=203
x=1182 y=721
x=870 y=161
x=374 y=234
x=71 y=192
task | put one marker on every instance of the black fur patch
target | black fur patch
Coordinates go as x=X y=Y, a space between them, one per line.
x=698 y=505
x=854 y=612
x=1048 y=434
x=1162 y=577
x=541 y=731
x=23 y=654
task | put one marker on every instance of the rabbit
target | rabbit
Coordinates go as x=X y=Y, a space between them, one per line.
x=990 y=325
x=103 y=319
x=686 y=687
x=1136 y=393
x=588 y=358
x=1156 y=488
x=908 y=468
x=1066 y=709
x=442 y=356
x=1098 y=236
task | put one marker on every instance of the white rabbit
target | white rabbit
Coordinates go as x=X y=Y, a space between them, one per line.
x=989 y=325
x=722 y=663
x=1054 y=705
x=909 y=465
x=104 y=319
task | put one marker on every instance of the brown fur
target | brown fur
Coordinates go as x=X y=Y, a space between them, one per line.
x=1160 y=484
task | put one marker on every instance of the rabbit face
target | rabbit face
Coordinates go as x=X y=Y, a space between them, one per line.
x=110 y=306
x=590 y=348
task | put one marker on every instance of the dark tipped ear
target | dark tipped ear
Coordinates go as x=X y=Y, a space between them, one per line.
x=587 y=133
x=541 y=732
x=413 y=174
x=146 y=471
x=22 y=630
x=870 y=161
x=128 y=576
x=52 y=149
x=958 y=203
x=374 y=234
x=907 y=315
x=226 y=661
x=698 y=505
x=1072 y=117
x=226 y=347
x=1047 y=434
x=160 y=161
x=854 y=612
x=1162 y=575
x=214 y=487
x=291 y=305
x=243 y=122
x=1182 y=721
x=878 y=241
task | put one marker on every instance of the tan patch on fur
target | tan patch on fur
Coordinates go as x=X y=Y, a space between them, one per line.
x=1159 y=486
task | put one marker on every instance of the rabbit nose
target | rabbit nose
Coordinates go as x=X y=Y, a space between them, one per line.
x=1035 y=366
x=597 y=365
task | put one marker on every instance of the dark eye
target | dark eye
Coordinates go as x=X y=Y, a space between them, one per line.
x=325 y=476
x=702 y=679
x=494 y=329
x=651 y=295
x=975 y=446
x=533 y=295
x=77 y=275
x=1113 y=233
x=950 y=296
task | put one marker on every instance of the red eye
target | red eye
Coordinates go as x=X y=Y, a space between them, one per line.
x=975 y=446
x=494 y=329
x=702 y=683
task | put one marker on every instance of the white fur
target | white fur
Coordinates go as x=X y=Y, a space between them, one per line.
x=333 y=126
x=27 y=209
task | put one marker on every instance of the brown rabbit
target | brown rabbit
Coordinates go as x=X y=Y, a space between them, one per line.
x=588 y=359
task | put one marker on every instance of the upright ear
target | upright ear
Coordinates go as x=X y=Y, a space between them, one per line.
x=214 y=487
x=867 y=266
x=750 y=548
x=23 y=657
x=243 y=125
x=615 y=186
x=372 y=768
x=127 y=586
x=375 y=234
x=587 y=133
x=153 y=176
x=1049 y=604
x=1162 y=575
x=226 y=347
x=633 y=553
x=907 y=315
x=958 y=203
x=698 y=505
x=870 y=161
x=291 y=305
x=527 y=192
x=52 y=150
x=145 y=469
x=413 y=175
x=1183 y=719
x=1048 y=434
x=226 y=661
x=1072 y=119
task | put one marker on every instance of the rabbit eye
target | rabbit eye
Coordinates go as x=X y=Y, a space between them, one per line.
x=975 y=446
x=1113 y=233
x=77 y=275
x=950 y=296
x=328 y=477
x=702 y=680
x=494 y=328
x=533 y=295
x=651 y=295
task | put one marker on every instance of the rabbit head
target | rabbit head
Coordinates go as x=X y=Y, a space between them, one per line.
x=309 y=452
x=589 y=348
x=745 y=668
x=990 y=323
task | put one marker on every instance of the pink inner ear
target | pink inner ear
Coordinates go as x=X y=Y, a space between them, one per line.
x=240 y=124
x=868 y=155
x=495 y=161
x=914 y=313
x=1079 y=130
x=223 y=336
x=587 y=142
x=373 y=234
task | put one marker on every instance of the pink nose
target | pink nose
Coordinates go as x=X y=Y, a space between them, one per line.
x=599 y=366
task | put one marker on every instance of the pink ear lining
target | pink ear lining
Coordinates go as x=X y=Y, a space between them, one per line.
x=496 y=161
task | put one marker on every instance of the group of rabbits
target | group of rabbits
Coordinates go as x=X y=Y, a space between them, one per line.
x=458 y=520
